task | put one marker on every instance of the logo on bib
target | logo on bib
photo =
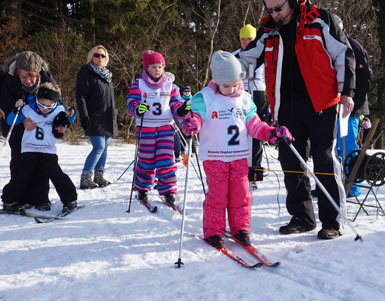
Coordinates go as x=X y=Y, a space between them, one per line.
x=214 y=115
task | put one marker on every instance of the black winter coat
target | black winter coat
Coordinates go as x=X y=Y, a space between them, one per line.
x=96 y=104
x=363 y=77
x=11 y=91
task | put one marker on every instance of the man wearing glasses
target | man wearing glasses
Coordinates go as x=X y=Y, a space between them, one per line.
x=309 y=69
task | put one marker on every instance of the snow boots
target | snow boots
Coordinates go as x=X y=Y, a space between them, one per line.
x=99 y=179
x=169 y=198
x=296 y=225
x=216 y=240
x=43 y=206
x=328 y=233
x=143 y=196
x=243 y=237
x=86 y=181
x=70 y=206
x=12 y=207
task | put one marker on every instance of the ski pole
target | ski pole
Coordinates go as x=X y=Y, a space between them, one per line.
x=180 y=136
x=379 y=135
x=136 y=160
x=199 y=166
x=18 y=110
x=320 y=185
x=125 y=170
x=179 y=263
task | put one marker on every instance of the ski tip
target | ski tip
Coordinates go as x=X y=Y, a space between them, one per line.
x=257 y=265
x=274 y=265
x=39 y=221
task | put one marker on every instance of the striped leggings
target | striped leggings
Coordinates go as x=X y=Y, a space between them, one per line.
x=156 y=158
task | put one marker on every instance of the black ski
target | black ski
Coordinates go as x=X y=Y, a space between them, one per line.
x=254 y=251
x=232 y=255
x=44 y=220
x=25 y=213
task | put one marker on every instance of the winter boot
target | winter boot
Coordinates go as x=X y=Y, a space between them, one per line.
x=43 y=206
x=328 y=233
x=26 y=205
x=98 y=178
x=12 y=207
x=169 y=198
x=296 y=225
x=243 y=237
x=70 y=206
x=216 y=240
x=143 y=196
x=86 y=181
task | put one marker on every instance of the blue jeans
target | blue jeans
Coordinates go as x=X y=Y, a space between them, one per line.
x=350 y=145
x=98 y=155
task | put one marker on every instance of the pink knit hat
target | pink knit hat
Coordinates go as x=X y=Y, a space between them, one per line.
x=151 y=57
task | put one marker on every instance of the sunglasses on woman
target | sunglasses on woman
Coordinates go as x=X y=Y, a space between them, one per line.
x=40 y=105
x=99 y=55
x=276 y=9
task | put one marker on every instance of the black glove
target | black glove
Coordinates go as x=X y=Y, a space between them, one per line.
x=17 y=109
x=85 y=123
x=184 y=109
x=61 y=119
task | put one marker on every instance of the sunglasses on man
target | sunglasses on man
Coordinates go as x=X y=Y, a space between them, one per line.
x=275 y=9
x=99 y=55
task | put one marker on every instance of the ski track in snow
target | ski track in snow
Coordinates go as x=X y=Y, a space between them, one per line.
x=101 y=252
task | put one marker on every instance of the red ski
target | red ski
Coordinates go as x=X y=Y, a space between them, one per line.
x=232 y=255
x=254 y=251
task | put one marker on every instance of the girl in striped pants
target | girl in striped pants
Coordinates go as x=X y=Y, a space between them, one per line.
x=156 y=99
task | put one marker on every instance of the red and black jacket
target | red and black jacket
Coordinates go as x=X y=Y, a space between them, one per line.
x=324 y=55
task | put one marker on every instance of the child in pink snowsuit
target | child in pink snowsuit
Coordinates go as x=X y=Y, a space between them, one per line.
x=225 y=115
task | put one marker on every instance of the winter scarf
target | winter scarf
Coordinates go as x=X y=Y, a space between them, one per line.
x=32 y=90
x=103 y=72
x=153 y=84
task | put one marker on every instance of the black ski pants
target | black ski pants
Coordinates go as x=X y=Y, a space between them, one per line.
x=304 y=124
x=48 y=165
x=38 y=188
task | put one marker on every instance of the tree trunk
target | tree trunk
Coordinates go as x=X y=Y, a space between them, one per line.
x=92 y=21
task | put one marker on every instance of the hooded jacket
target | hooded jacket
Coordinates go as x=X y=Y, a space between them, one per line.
x=325 y=58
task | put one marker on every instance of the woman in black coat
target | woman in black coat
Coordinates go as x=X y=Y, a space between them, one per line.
x=24 y=73
x=97 y=112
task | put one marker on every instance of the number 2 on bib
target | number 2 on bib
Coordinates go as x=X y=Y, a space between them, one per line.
x=233 y=130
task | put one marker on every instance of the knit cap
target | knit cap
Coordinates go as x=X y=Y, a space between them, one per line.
x=28 y=61
x=225 y=68
x=151 y=57
x=248 y=31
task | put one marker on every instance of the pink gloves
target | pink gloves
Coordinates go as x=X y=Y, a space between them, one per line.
x=280 y=132
x=191 y=126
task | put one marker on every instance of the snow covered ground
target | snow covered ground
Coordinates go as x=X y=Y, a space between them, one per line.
x=102 y=252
